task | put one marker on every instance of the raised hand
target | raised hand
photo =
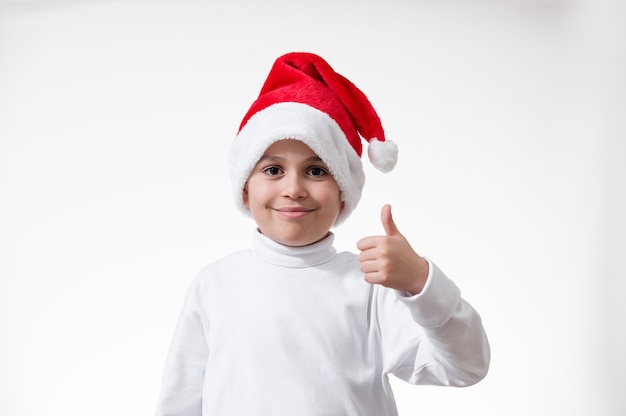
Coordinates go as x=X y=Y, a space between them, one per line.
x=389 y=260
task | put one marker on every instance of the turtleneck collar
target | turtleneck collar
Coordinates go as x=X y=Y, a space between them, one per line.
x=269 y=251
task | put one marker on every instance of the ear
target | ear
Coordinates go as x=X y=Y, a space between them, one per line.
x=246 y=201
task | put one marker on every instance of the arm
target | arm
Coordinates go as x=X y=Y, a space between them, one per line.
x=181 y=389
x=455 y=349
x=429 y=334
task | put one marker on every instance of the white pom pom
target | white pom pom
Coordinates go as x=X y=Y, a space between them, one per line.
x=383 y=155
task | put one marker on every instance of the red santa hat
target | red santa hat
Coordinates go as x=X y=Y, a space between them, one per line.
x=304 y=99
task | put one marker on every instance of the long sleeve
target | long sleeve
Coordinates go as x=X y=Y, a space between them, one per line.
x=181 y=390
x=445 y=344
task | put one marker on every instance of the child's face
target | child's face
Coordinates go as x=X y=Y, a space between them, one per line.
x=292 y=195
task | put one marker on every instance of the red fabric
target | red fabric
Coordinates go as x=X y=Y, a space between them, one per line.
x=307 y=78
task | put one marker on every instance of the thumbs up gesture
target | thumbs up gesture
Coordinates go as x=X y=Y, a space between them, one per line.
x=390 y=261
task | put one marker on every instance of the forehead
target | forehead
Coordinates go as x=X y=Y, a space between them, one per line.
x=290 y=149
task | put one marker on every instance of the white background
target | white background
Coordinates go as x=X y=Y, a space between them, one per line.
x=115 y=122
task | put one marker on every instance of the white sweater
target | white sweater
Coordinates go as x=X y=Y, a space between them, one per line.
x=296 y=331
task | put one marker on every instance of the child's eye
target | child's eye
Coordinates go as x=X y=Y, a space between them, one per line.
x=317 y=171
x=272 y=170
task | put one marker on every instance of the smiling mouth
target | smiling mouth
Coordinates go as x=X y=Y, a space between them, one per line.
x=295 y=212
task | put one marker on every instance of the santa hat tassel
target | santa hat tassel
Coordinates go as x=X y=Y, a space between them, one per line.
x=382 y=155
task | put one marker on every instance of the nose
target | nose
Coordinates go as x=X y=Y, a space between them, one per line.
x=294 y=186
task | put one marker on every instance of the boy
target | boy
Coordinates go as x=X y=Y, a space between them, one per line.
x=290 y=326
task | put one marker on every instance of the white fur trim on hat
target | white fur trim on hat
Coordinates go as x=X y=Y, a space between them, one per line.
x=291 y=120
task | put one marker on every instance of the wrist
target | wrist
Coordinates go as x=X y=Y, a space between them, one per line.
x=421 y=277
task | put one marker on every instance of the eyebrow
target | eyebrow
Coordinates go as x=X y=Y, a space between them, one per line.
x=280 y=158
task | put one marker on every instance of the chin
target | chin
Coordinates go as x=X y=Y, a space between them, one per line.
x=301 y=242
x=295 y=243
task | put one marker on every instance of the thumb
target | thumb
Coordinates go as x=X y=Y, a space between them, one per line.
x=387 y=220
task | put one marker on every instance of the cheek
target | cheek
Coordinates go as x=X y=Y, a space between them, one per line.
x=256 y=193
x=333 y=199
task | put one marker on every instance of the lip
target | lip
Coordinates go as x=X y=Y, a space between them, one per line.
x=294 y=212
